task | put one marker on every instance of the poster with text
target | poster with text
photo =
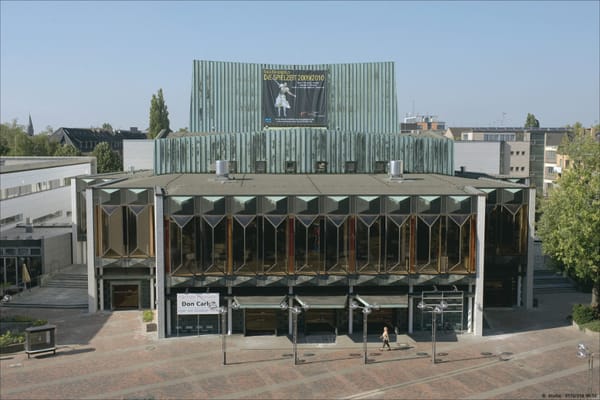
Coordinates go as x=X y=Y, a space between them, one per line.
x=197 y=303
x=294 y=98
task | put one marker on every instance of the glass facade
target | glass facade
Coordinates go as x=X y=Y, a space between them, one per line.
x=312 y=235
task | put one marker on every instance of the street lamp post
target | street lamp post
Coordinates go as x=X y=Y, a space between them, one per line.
x=295 y=310
x=223 y=311
x=584 y=352
x=435 y=309
x=366 y=311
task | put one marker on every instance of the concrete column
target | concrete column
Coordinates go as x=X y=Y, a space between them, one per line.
x=101 y=293
x=410 y=308
x=91 y=260
x=519 y=289
x=168 y=318
x=350 y=313
x=152 y=294
x=76 y=255
x=528 y=292
x=290 y=305
x=161 y=312
x=470 y=311
x=229 y=310
x=479 y=264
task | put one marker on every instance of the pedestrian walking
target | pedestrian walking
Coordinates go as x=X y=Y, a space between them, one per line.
x=385 y=336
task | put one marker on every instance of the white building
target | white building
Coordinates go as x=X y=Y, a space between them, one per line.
x=36 y=219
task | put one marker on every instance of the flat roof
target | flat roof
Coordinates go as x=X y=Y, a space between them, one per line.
x=38 y=232
x=16 y=164
x=307 y=184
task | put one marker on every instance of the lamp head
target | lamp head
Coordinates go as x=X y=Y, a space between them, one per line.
x=353 y=305
x=366 y=310
x=283 y=305
x=443 y=304
x=421 y=305
x=235 y=305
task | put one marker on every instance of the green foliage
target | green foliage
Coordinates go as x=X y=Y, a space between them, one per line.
x=24 y=318
x=14 y=141
x=582 y=314
x=107 y=160
x=9 y=338
x=8 y=137
x=148 y=316
x=532 y=121
x=107 y=127
x=593 y=326
x=570 y=222
x=66 y=150
x=159 y=116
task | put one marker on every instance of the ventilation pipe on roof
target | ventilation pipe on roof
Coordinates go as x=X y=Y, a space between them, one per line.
x=396 y=170
x=222 y=169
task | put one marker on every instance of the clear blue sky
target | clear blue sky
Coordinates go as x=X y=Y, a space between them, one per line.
x=80 y=64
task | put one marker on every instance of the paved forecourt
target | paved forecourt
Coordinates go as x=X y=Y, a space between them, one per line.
x=109 y=355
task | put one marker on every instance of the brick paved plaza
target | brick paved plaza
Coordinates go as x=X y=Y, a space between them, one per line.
x=525 y=354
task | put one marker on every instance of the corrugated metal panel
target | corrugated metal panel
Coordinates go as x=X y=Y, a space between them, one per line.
x=306 y=146
x=226 y=96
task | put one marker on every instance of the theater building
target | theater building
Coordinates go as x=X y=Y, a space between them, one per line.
x=314 y=199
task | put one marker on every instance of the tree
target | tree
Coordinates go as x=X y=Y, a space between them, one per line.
x=66 y=150
x=41 y=145
x=531 y=121
x=107 y=160
x=159 y=116
x=9 y=133
x=570 y=223
x=107 y=127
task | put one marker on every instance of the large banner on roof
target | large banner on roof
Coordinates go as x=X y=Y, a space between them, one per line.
x=294 y=97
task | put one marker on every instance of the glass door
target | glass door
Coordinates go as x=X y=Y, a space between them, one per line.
x=9 y=274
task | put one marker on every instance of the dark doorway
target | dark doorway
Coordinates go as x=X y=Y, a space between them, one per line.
x=126 y=297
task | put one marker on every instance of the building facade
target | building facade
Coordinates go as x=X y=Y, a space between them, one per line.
x=336 y=208
x=36 y=213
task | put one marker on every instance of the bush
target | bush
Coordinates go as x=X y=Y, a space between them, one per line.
x=583 y=314
x=593 y=326
x=11 y=338
x=23 y=318
x=148 y=316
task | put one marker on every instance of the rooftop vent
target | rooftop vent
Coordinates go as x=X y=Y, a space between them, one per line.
x=222 y=169
x=396 y=170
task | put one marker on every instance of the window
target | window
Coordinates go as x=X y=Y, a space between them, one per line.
x=260 y=167
x=350 y=167
x=290 y=167
x=522 y=168
x=380 y=167
x=321 y=167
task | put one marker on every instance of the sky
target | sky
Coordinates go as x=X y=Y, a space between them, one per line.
x=488 y=63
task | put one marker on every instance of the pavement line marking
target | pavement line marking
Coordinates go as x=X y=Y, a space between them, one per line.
x=528 y=382
x=518 y=356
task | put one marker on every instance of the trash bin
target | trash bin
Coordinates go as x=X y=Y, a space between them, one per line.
x=40 y=339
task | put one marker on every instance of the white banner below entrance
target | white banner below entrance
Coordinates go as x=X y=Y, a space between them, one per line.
x=197 y=303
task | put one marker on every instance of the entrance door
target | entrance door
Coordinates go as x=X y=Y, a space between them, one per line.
x=125 y=297
x=320 y=322
x=260 y=322
x=8 y=275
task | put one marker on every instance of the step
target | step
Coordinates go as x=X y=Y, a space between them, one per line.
x=78 y=277
x=66 y=284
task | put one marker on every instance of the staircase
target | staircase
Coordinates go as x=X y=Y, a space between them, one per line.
x=67 y=280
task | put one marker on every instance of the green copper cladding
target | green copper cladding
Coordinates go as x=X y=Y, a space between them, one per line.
x=227 y=96
x=305 y=146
